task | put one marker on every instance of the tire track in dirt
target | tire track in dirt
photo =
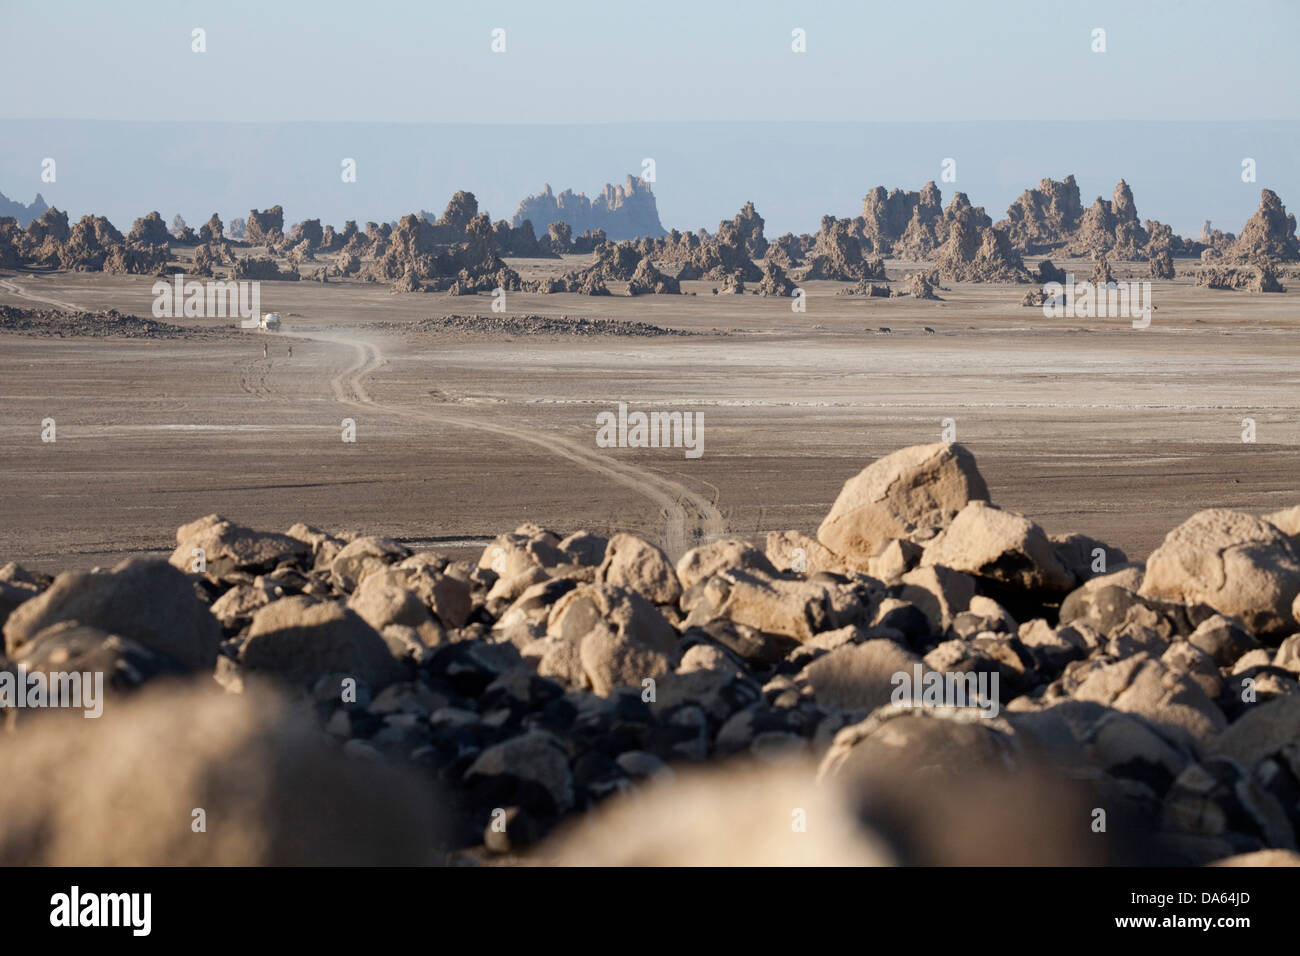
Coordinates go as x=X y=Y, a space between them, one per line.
x=689 y=517
x=19 y=291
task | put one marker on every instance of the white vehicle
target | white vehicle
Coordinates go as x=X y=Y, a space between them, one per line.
x=270 y=322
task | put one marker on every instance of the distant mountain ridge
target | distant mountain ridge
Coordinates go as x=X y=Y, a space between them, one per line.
x=623 y=212
x=24 y=214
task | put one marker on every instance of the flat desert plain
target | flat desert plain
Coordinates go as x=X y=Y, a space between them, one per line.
x=1086 y=425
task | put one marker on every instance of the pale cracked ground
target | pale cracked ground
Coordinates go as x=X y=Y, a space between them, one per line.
x=1085 y=425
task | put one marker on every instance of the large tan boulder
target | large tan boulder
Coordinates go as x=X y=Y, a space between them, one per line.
x=641 y=567
x=1287 y=521
x=194 y=777
x=70 y=648
x=935 y=743
x=940 y=593
x=528 y=546
x=1261 y=858
x=448 y=597
x=621 y=637
x=800 y=553
x=776 y=605
x=910 y=494
x=953 y=787
x=1145 y=686
x=704 y=562
x=299 y=640
x=322 y=546
x=381 y=600
x=740 y=814
x=147 y=601
x=361 y=556
x=1000 y=546
x=1235 y=563
x=857 y=677
x=1264 y=730
x=240 y=602
x=224 y=545
x=16 y=586
x=1086 y=558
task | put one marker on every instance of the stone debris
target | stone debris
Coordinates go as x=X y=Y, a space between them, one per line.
x=538 y=684
x=111 y=324
x=498 y=325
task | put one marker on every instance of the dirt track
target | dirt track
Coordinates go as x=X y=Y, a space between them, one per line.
x=1087 y=426
x=688 y=517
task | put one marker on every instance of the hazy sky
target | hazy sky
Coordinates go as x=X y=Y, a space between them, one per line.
x=712 y=90
x=656 y=61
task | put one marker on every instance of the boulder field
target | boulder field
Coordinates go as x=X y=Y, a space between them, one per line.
x=572 y=698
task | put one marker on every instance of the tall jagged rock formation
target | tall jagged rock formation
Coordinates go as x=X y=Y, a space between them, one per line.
x=1268 y=235
x=22 y=214
x=1045 y=218
x=623 y=212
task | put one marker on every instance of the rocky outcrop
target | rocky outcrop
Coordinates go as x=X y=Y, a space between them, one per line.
x=93 y=245
x=150 y=230
x=262 y=268
x=774 y=281
x=1269 y=236
x=974 y=253
x=20 y=213
x=212 y=229
x=718 y=258
x=838 y=255
x=1045 y=218
x=1162 y=266
x=264 y=228
x=1111 y=228
x=920 y=286
x=1258 y=278
x=647 y=280
x=308 y=232
x=622 y=212
x=748 y=225
x=910 y=221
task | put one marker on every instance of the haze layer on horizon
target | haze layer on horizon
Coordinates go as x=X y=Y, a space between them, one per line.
x=1180 y=173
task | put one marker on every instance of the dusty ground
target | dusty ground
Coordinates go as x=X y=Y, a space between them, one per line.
x=1086 y=425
